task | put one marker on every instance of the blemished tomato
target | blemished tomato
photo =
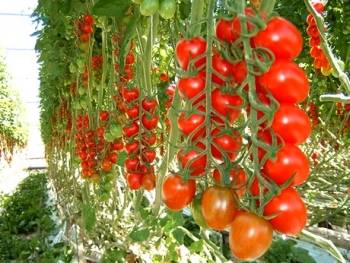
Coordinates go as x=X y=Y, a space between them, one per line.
x=223 y=67
x=225 y=144
x=290 y=211
x=237 y=178
x=286 y=81
x=131 y=130
x=225 y=104
x=250 y=236
x=134 y=180
x=224 y=30
x=149 y=122
x=104 y=115
x=177 y=193
x=281 y=37
x=190 y=49
x=149 y=181
x=219 y=206
x=149 y=104
x=191 y=86
x=291 y=123
x=194 y=160
x=191 y=123
x=290 y=161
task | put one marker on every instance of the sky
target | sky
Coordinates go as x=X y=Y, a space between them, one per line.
x=18 y=47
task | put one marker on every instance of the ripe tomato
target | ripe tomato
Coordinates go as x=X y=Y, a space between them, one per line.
x=310 y=20
x=281 y=37
x=224 y=31
x=290 y=161
x=286 y=81
x=291 y=123
x=106 y=165
x=194 y=160
x=149 y=139
x=239 y=71
x=132 y=164
x=149 y=181
x=104 y=115
x=191 y=86
x=219 y=206
x=177 y=194
x=290 y=211
x=113 y=157
x=88 y=19
x=133 y=112
x=117 y=145
x=225 y=144
x=223 y=67
x=134 y=180
x=312 y=31
x=148 y=155
x=225 y=104
x=132 y=147
x=250 y=236
x=130 y=58
x=131 y=130
x=149 y=104
x=149 y=122
x=130 y=94
x=190 y=123
x=190 y=49
x=237 y=177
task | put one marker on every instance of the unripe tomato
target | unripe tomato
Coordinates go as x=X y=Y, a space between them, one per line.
x=167 y=8
x=149 y=7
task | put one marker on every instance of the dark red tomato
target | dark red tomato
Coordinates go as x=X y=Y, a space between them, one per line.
x=149 y=104
x=225 y=144
x=290 y=161
x=148 y=155
x=315 y=41
x=149 y=122
x=132 y=164
x=131 y=130
x=132 y=147
x=191 y=86
x=281 y=37
x=286 y=81
x=238 y=179
x=104 y=115
x=312 y=31
x=134 y=180
x=190 y=123
x=291 y=123
x=190 y=49
x=319 y=7
x=113 y=157
x=177 y=193
x=130 y=58
x=310 y=20
x=130 y=94
x=315 y=52
x=133 y=112
x=149 y=181
x=290 y=211
x=224 y=31
x=106 y=165
x=223 y=67
x=219 y=206
x=194 y=160
x=239 y=71
x=250 y=236
x=117 y=145
x=226 y=105
x=149 y=139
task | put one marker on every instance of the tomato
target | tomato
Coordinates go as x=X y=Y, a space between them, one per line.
x=256 y=186
x=149 y=7
x=286 y=81
x=190 y=87
x=237 y=24
x=149 y=104
x=133 y=112
x=149 y=122
x=197 y=212
x=292 y=124
x=148 y=155
x=130 y=94
x=106 y=165
x=149 y=139
x=130 y=58
x=191 y=123
x=131 y=130
x=132 y=164
x=224 y=104
x=250 y=236
x=219 y=206
x=224 y=31
x=113 y=157
x=117 y=145
x=319 y=7
x=310 y=20
x=223 y=67
x=134 y=180
x=190 y=49
x=314 y=41
x=290 y=161
x=167 y=8
x=88 y=19
x=312 y=31
x=237 y=178
x=149 y=181
x=315 y=52
x=194 y=160
x=290 y=211
x=132 y=147
x=239 y=71
x=177 y=193
x=225 y=144
x=281 y=37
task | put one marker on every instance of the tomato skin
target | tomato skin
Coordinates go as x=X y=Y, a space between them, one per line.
x=190 y=123
x=222 y=66
x=130 y=95
x=149 y=139
x=250 y=236
x=167 y=8
x=290 y=160
x=132 y=164
x=281 y=37
x=149 y=104
x=134 y=180
x=148 y=155
x=223 y=103
x=187 y=49
x=219 y=206
x=133 y=112
x=191 y=86
x=106 y=165
x=227 y=143
x=238 y=179
x=194 y=160
x=131 y=130
x=149 y=122
x=104 y=115
x=149 y=7
x=239 y=71
x=113 y=157
x=132 y=147
x=292 y=124
x=224 y=31
x=290 y=210
x=177 y=194
x=149 y=181
x=286 y=81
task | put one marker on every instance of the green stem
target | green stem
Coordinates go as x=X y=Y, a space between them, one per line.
x=267 y=6
x=197 y=11
x=335 y=98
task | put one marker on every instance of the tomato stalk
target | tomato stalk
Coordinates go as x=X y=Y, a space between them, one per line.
x=197 y=10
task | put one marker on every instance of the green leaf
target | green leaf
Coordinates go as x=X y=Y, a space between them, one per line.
x=196 y=246
x=121 y=158
x=115 y=8
x=140 y=235
x=302 y=255
x=179 y=235
x=89 y=216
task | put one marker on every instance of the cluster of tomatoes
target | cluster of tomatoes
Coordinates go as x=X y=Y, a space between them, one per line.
x=313 y=114
x=320 y=60
x=139 y=135
x=165 y=8
x=85 y=28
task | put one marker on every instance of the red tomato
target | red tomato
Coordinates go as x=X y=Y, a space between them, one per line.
x=319 y=7
x=88 y=19
x=149 y=122
x=239 y=71
x=315 y=52
x=149 y=139
x=312 y=31
x=314 y=41
x=190 y=49
x=132 y=164
x=117 y=145
x=148 y=155
x=134 y=180
x=255 y=187
x=225 y=104
x=310 y=20
x=224 y=31
x=225 y=144
x=219 y=206
x=133 y=112
x=130 y=94
x=237 y=24
x=106 y=165
x=113 y=157
x=131 y=130
x=130 y=58
x=177 y=194
x=149 y=104
x=104 y=115
x=290 y=161
x=281 y=37
x=290 y=211
x=132 y=147
x=191 y=86
x=292 y=124
x=223 y=67
x=149 y=181
x=238 y=179
x=190 y=123
x=194 y=160
x=250 y=236
x=164 y=77
x=286 y=81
